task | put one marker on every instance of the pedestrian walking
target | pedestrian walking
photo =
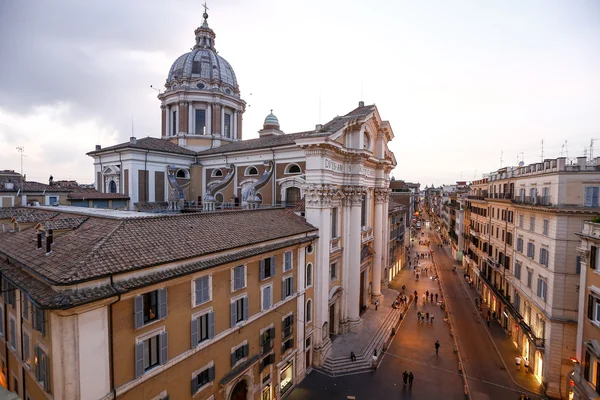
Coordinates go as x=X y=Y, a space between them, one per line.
x=431 y=297
x=427 y=293
x=352 y=356
x=489 y=313
x=376 y=305
x=419 y=316
x=518 y=362
x=431 y=318
x=411 y=377
x=437 y=347
x=416 y=294
x=427 y=316
x=424 y=298
x=405 y=377
x=417 y=276
x=526 y=363
x=436 y=297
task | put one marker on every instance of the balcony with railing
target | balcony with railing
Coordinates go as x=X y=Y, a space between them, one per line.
x=532 y=200
x=366 y=235
x=501 y=196
x=334 y=245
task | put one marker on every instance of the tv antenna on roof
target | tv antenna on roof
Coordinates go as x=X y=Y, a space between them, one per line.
x=21 y=149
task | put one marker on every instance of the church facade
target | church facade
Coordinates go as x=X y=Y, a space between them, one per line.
x=336 y=176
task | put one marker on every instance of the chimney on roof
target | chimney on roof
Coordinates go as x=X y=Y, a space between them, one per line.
x=361 y=103
x=98 y=147
x=132 y=140
x=318 y=127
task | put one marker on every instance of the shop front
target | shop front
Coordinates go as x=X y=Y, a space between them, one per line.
x=286 y=378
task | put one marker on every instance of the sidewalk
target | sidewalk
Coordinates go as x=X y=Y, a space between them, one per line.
x=506 y=349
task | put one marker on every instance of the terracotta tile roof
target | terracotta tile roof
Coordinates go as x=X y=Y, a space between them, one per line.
x=148 y=143
x=63 y=223
x=258 y=143
x=34 y=216
x=150 y=279
x=29 y=186
x=104 y=246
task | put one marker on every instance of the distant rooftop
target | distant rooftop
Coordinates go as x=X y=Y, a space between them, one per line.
x=95 y=212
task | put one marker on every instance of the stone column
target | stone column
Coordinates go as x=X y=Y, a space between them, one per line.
x=234 y=128
x=191 y=119
x=354 y=195
x=208 y=130
x=223 y=122
x=163 y=113
x=318 y=208
x=380 y=222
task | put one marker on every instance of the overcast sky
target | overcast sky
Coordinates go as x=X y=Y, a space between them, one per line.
x=461 y=82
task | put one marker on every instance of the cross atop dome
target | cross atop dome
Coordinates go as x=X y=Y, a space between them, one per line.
x=205 y=37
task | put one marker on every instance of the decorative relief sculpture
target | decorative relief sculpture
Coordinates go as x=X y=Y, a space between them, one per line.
x=382 y=195
x=354 y=195
x=319 y=195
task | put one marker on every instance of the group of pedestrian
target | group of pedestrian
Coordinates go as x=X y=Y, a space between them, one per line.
x=408 y=378
x=524 y=397
x=425 y=316
x=525 y=363
x=400 y=300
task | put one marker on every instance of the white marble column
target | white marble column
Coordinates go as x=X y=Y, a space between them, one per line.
x=354 y=196
x=378 y=244
x=222 y=121
x=318 y=210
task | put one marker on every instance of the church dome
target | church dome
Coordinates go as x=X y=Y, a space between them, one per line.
x=203 y=68
x=271 y=122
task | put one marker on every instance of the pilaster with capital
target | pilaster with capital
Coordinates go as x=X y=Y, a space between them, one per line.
x=584 y=255
x=382 y=195
x=319 y=195
x=354 y=195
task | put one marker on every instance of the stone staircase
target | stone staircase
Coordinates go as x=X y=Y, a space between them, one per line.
x=344 y=366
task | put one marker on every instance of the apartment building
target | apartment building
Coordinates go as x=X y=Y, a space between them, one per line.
x=533 y=285
x=586 y=376
x=101 y=304
x=398 y=241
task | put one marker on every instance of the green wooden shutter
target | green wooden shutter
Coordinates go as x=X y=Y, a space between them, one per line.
x=194 y=326
x=162 y=303
x=233 y=314
x=194 y=385
x=262 y=269
x=138 y=306
x=163 y=342
x=211 y=325
x=139 y=359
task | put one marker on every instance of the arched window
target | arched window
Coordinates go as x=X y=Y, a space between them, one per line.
x=292 y=196
x=112 y=187
x=309 y=274
x=182 y=173
x=293 y=169
x=251 y=171
x=216 y=172
x=309 y=310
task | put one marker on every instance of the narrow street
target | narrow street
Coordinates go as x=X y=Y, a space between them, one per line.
x=485 y=370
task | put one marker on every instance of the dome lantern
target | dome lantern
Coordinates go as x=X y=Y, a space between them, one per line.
x=270 y=126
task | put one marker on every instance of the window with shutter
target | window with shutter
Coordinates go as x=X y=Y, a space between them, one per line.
x=162 y=303
x=139 y=359
x=203 y=378
x=245 y=303
x=593 y=257
x=202 y=290
x=138 y=305
x=590 y=308
x=266 y=297
x=262 y=270
x=287 y=261
x=164 y=347
x=25 y=308
x=233 y=314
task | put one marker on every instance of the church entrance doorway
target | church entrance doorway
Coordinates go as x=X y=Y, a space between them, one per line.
x=363 y=306
x=240 y=391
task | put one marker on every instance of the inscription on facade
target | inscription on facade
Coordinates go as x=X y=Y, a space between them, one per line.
x=348 y=168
